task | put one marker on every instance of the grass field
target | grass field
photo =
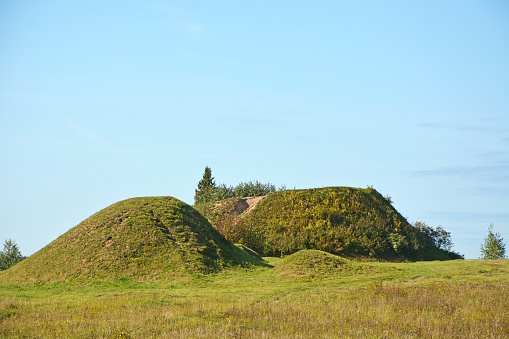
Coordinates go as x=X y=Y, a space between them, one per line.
x=306 y=295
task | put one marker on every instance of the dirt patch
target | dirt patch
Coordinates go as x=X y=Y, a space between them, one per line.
x=252 y=202
x=245 y=205
x=240 y=207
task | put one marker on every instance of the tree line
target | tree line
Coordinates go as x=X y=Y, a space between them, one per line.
x=208 y=191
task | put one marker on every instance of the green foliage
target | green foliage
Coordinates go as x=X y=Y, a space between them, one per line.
x=493 y=247
x=206 y=186
x=438 y=237
x=11 y=255
x=339 y=220
x=244 y=189
x=208 y=191
x=138 y=239
x=435 y=239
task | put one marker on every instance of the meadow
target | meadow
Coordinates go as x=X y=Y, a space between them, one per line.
x=306 y=295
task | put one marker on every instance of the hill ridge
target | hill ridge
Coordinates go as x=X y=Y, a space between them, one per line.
x=144 y=238
x=348 y=221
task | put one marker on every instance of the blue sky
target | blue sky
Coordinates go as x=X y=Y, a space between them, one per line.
x=106 y=100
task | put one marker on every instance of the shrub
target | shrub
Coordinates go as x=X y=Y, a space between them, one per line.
x=493 y=247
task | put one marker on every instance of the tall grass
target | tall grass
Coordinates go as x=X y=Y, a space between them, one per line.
x=456 y=299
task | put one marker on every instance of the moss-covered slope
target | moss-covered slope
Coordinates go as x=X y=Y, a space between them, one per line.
x=348 y=221
x=139 y=239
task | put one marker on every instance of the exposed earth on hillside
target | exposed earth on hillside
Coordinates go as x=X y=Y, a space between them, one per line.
x=244 y=204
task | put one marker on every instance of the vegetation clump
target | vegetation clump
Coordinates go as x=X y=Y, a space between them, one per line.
x=154 y=238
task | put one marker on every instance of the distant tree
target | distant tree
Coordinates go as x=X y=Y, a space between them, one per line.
x=245 y=189
x=11 y=255
x=208 y=191
x=438 y=237
x=253 y=189
x=222 y=192
x=493 y=247
x=206 y=186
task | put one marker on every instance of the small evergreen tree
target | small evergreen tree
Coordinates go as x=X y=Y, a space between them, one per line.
x=206 y=186
x=493 y=247
x=11 y=255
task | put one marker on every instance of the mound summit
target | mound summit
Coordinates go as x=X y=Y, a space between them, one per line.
x=139 y=238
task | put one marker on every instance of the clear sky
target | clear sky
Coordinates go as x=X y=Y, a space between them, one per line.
x=101 y=101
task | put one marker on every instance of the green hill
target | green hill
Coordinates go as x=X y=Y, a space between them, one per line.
x=154 y=238
x=313 y=262
x=351 y=222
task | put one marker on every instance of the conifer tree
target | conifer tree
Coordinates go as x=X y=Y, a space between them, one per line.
x=493 y=247
x=205 y=191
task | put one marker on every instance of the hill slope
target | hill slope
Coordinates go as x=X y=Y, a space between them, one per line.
x=340 y=220
x=138 y=238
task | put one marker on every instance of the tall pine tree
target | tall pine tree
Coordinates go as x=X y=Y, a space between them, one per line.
x=205 y=191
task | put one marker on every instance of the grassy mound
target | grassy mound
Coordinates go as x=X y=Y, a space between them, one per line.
x=153 y=238
x=312 y=262
x=347 y=221
x=315 y=264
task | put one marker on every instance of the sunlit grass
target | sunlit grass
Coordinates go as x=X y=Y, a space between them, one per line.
x=454 y=299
